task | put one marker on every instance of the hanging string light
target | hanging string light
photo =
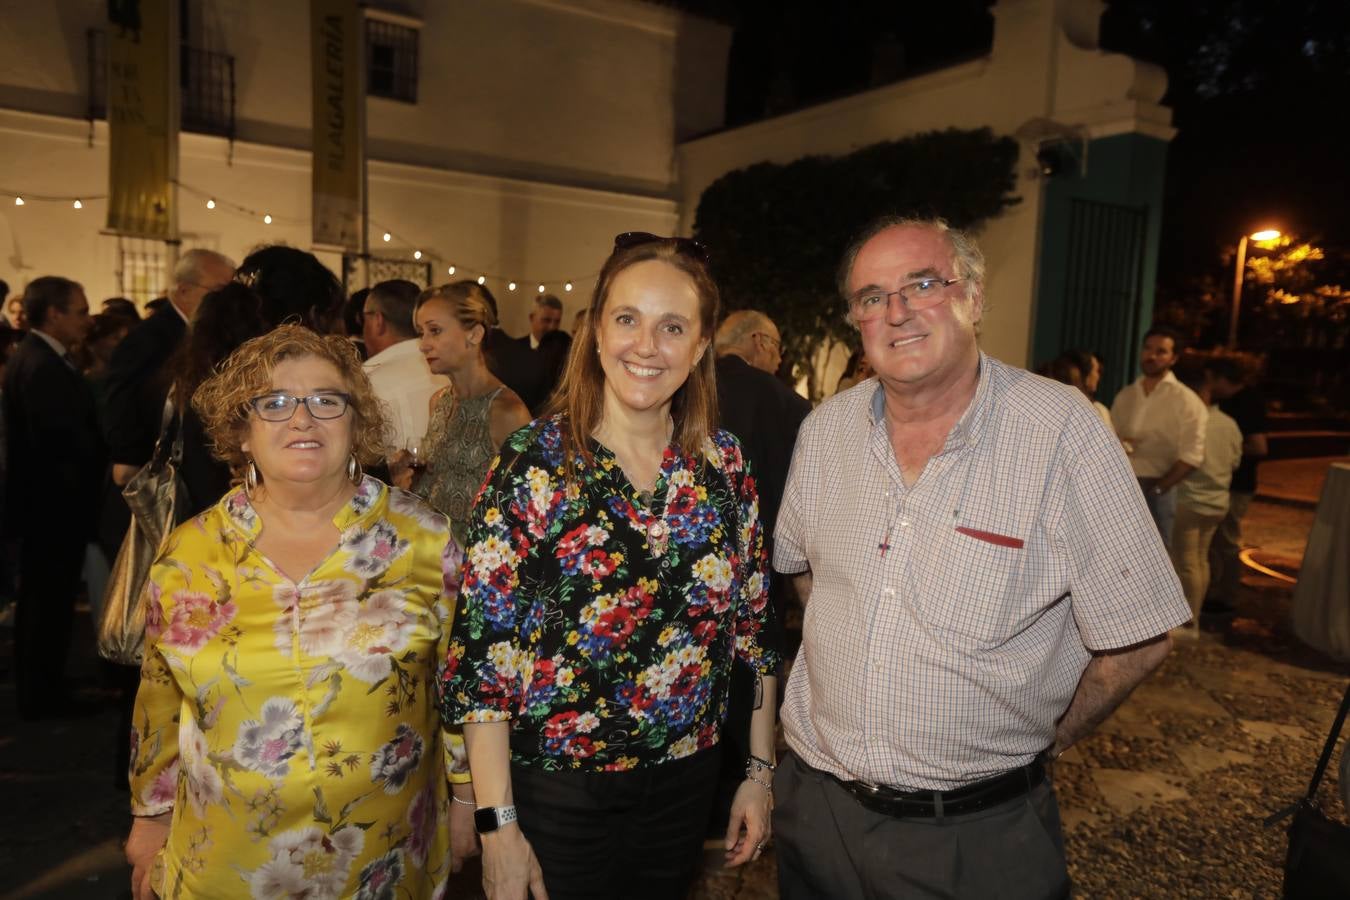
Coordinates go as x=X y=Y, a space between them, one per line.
x=212 y=202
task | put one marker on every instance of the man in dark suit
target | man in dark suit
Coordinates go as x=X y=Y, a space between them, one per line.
x=764 y=413
x=138 y=382
x=56 y=461
x=755 y=405
x=548 y=346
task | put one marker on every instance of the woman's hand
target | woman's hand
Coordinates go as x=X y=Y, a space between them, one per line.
x=401 y=470
x=463 y=835
x=510 y=868
x=749 y=829
x=147 y=838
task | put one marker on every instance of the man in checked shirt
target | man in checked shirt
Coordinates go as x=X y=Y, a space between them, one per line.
x=985 y=586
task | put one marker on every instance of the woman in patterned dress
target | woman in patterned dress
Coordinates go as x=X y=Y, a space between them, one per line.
x=615 y=572
x=285 y=739
x=473 y=416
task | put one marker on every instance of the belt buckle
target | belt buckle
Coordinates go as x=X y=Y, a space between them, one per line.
x=871 y=787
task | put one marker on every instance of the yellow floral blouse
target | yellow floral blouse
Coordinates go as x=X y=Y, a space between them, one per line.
x=292 y=727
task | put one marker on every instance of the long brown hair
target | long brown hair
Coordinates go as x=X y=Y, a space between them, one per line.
x=581 y=395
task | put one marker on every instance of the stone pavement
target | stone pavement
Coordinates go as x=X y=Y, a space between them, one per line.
x=1166 y=800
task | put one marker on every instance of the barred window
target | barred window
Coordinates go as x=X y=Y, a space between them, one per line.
x=391 y=60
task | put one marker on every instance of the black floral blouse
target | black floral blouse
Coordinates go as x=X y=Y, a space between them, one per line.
x=603 y=629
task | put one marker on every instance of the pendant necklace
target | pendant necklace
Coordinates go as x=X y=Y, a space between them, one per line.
x=658 y=532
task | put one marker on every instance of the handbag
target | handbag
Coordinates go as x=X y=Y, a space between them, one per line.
x=152 y=494
x=1318 y=862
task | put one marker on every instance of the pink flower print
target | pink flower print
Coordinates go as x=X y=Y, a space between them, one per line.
x=373 y=550
x=196 y=619
x=267 y=746
x=160 y=793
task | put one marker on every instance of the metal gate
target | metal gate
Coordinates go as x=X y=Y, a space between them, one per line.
x=1104 y=284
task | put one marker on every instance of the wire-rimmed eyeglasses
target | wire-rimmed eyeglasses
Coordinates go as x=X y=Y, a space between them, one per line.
x=925 y=293
x=280 y=406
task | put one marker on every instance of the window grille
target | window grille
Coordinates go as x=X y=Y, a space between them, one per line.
x=391 y=60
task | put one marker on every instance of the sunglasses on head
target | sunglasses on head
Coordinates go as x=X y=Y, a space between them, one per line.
x=687 y=246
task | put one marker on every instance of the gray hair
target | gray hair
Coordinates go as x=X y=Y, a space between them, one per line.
x=188 y=269
x=966 y=253
x=549 y=300
x=737 y=329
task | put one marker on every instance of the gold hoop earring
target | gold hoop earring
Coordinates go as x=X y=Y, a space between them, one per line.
x=250 y=479
x=354 y=469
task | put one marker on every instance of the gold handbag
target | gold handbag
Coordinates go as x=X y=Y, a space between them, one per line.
x=153 y=493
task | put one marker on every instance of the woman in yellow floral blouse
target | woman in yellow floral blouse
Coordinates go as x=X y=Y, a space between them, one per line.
x=286 y=740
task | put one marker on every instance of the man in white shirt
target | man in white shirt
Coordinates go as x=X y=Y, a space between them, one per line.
x=983 y=588
x=1162 y=425
x=1202 y=496
x=396 y=369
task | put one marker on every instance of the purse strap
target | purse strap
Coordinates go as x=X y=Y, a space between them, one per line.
x=1330 y=746
x=169 y=421
x=1308 y=799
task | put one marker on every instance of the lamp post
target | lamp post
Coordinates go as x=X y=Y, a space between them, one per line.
x=1268 y=234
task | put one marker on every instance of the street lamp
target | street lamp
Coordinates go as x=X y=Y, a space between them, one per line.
x=1268 y=234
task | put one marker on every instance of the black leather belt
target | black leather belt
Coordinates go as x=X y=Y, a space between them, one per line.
x=958 y=802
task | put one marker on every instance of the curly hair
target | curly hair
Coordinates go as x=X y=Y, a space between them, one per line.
x=222 y=400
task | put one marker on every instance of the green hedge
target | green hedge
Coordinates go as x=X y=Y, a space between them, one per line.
x=775 y=232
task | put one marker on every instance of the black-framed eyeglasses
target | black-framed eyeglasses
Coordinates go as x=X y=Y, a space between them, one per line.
x=687 y=246
x=925 y=293
x=280 y=406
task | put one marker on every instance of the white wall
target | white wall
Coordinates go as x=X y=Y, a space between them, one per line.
x=528 y=231
x=542 y=129
x=584 y=92
x=1039 y=69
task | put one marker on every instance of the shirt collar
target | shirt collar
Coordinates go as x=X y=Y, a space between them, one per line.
x=365 y=503
x=52 y=342
x=394 y=352
x=967 y=430
x=182 y=315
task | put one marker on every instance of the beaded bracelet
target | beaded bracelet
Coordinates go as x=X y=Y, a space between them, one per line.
x=455 y=799
x=768 y=786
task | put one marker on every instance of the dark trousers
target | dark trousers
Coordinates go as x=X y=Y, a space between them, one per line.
x=830 y=845
x=50 y=562
x=618 y=835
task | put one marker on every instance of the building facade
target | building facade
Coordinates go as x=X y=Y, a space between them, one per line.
x=510 y=139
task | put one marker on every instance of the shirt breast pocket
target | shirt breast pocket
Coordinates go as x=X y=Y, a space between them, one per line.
x=976 y=590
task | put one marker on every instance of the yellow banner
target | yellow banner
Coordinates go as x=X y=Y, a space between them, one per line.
x=336 y=53
x=142 y=118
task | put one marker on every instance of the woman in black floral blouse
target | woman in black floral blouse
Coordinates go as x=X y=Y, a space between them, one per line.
x=614 y=574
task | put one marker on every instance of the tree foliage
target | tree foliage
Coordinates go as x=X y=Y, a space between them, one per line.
x=776 y=233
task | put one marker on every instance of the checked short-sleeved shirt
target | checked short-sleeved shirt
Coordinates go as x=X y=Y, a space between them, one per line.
x=949 y=622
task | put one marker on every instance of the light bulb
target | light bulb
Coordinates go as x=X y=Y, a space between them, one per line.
x=568 y=286
x=541 y=288
x=18 y=201
x=77 y=204
x=417 y=254
x=388 y=237
x=450 y=271
x=267 y=218
x=211 y=204
x=482 y=279
x=511 y=286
